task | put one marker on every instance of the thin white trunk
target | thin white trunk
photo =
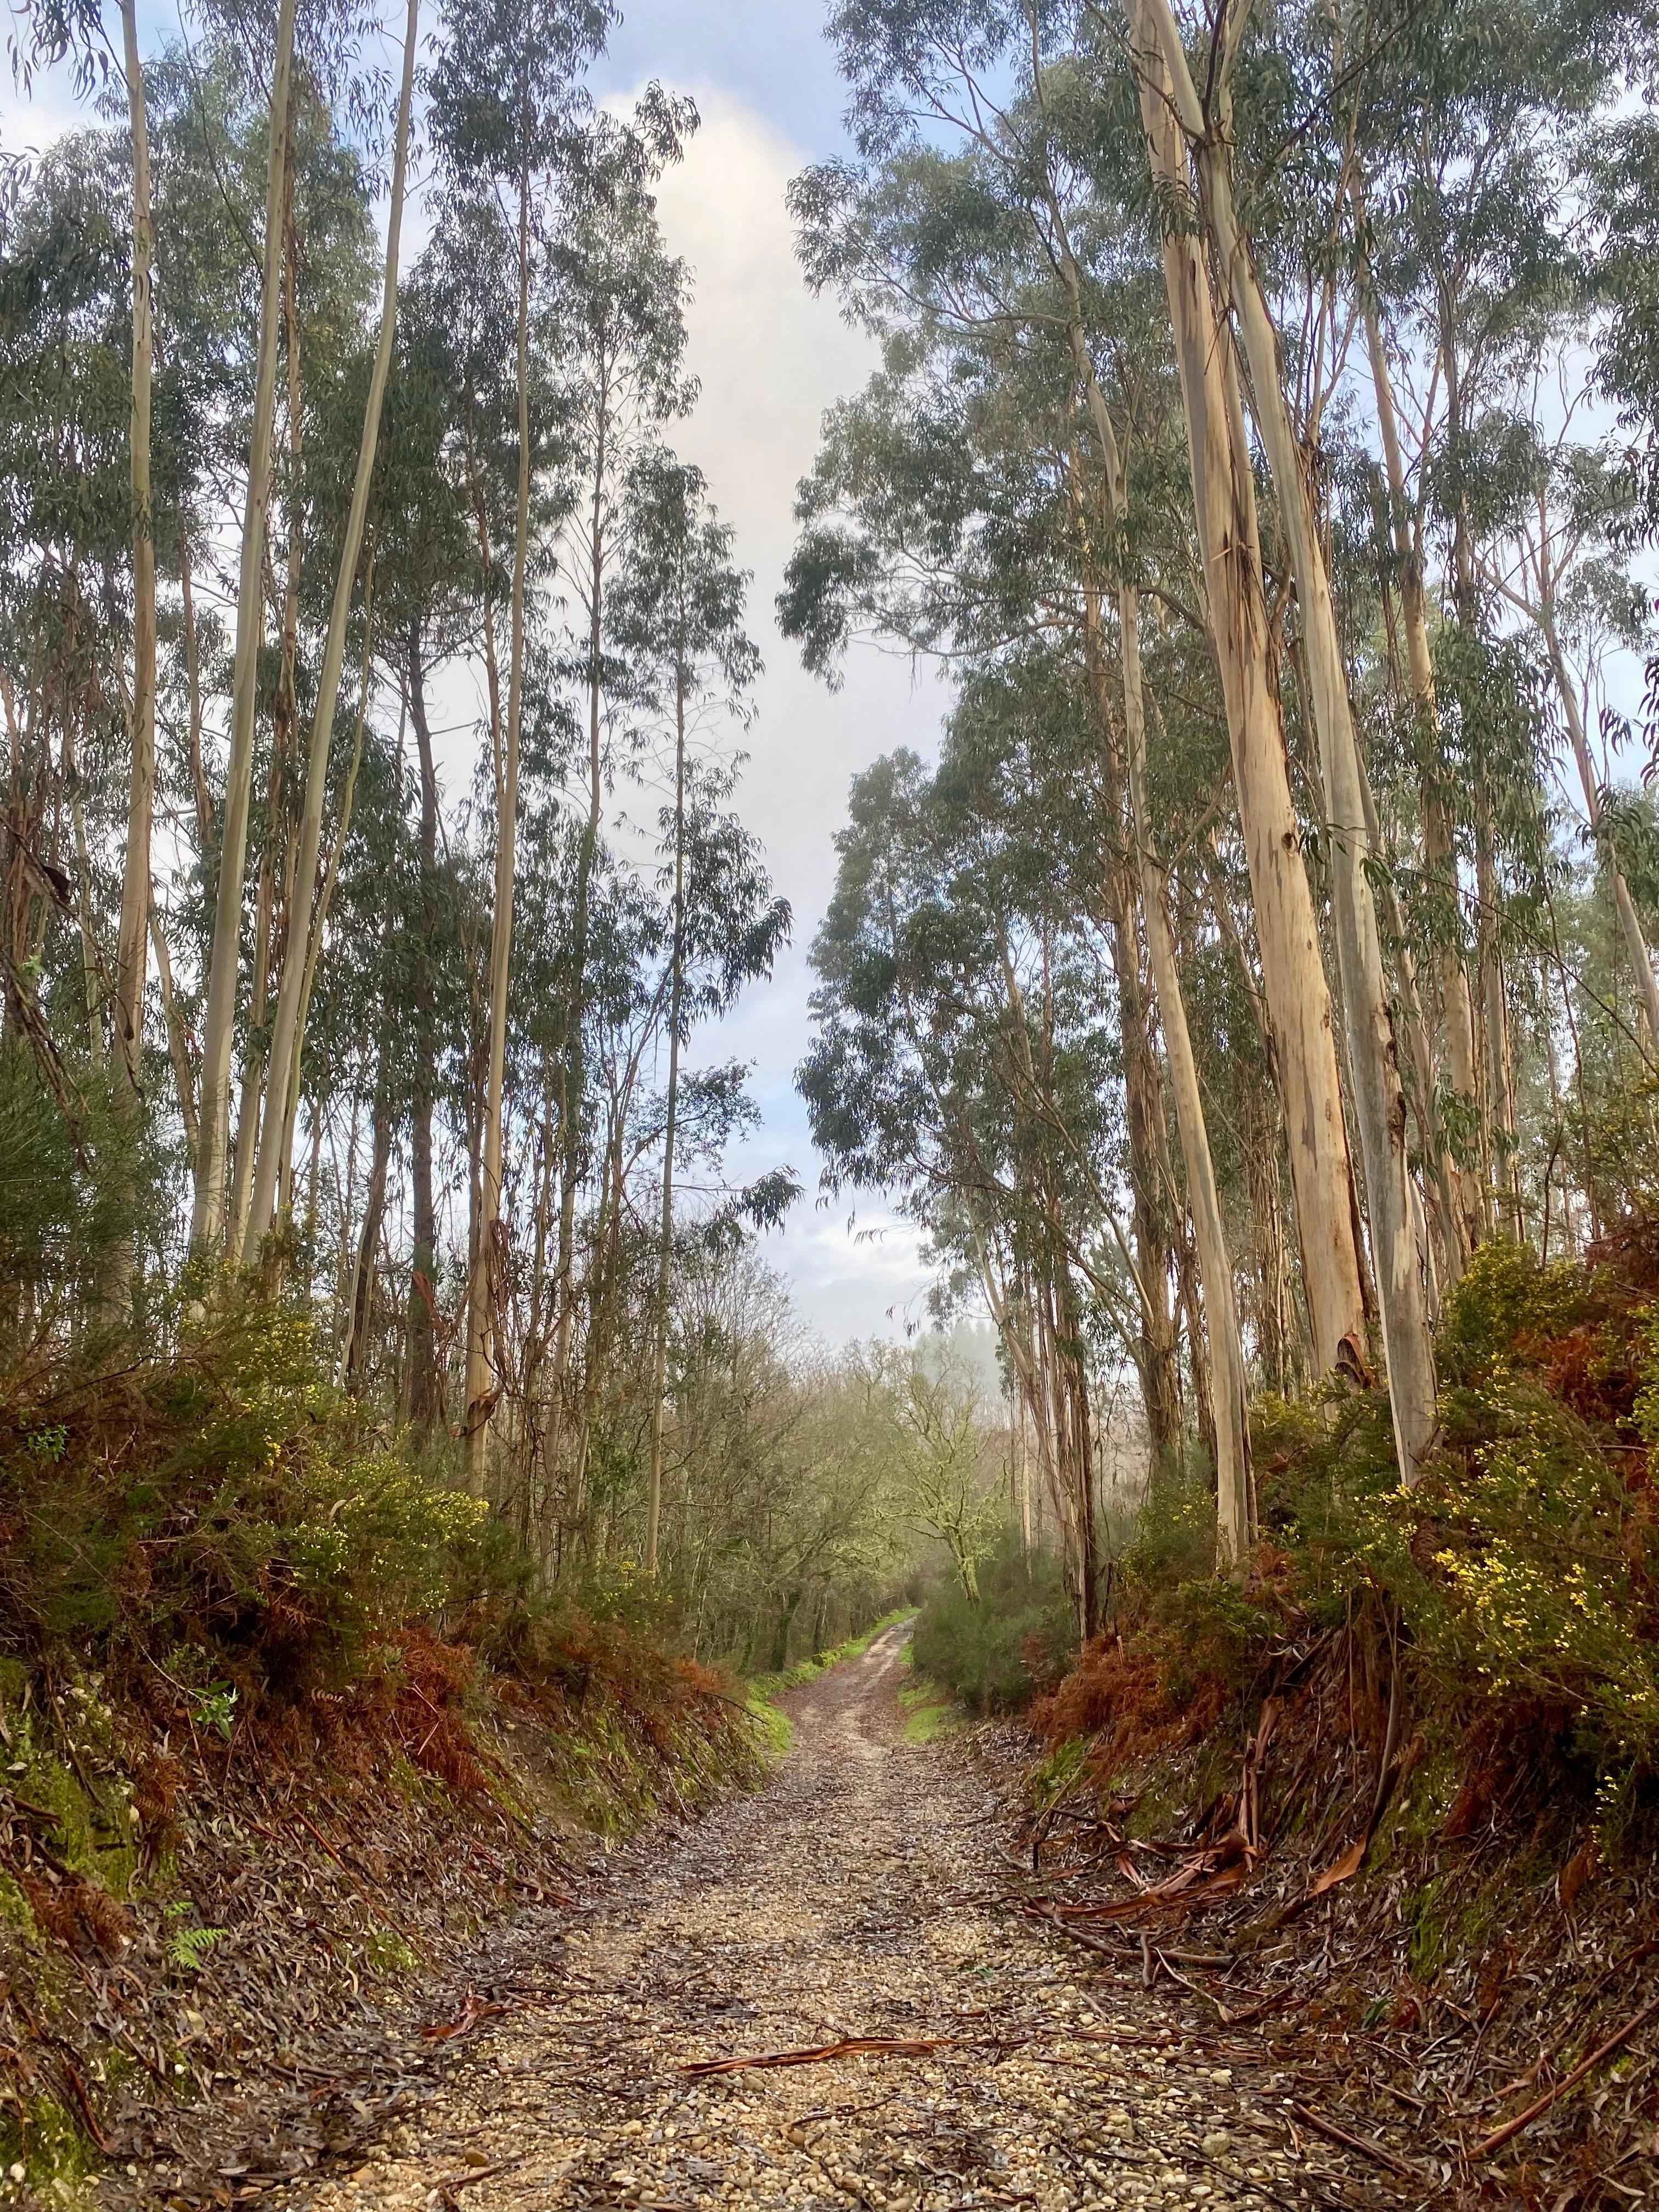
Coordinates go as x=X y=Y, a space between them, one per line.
x=219 y=1026
x=1229 y=1383
x=1630 y=922
x=665 y=1259
x=1461 y=1232
x=480 y=1355
x=129 y=964
x=282 y=1079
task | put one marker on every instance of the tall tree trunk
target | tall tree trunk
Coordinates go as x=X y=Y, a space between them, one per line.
x=422 y=1336
x=665 y=1252
x=1379 y=1099
x=206 y=834
x=1439 y=843
x=1229 y=1383
x=1630 y=923
x=1297 y=995
x=573 y=1079
x=1498 y=1070
x=1080 y=1451
x=177 y=1051
x=134 y=930
x=285 y=1036
x=481 y=1360
x=219 y=1025
x=369 y=1241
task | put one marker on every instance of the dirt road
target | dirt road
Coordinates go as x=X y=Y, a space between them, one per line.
x=862 y=1894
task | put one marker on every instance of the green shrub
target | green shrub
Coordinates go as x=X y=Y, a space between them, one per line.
x=225 y=1511
x=998 y=1654
x=1524 y=1568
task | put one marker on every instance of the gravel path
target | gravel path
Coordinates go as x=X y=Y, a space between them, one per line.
x=861 y=1894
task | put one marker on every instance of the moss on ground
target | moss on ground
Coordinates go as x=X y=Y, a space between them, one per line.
x=45 y=2152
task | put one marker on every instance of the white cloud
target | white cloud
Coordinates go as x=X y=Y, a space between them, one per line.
x=771 y=359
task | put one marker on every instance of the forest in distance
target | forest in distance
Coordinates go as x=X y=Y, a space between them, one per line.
x=1249 y=997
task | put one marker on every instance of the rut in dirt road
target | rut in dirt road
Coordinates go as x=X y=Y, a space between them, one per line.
x=861 y=1894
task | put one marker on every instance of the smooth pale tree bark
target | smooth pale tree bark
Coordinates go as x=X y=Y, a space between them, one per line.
x=219 y=1022
x=1143 y=1085
x=178 y=1050
x=1439 y=843
x=480 y=1348
x=424 y=1396
x=282 y=1083
x=1229 y=1384
x=1630 y=924
x=666 y=1250
x=369 y=1244
x=1298 y=1000
x=1414 y=1029
x=1379 y=1097
x=572 y=1073
x=129 y=959
x=319 y=927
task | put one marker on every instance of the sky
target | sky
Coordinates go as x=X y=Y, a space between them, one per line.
x=770 y=359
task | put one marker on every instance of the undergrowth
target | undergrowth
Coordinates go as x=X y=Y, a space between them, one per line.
x=998 y=1650
x=1507 y=1608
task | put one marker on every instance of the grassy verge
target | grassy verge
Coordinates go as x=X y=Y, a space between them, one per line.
x=929 y=1709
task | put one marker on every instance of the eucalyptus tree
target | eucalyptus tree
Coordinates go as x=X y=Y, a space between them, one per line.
x=505 y=99
x=614 y=316
x=676 y=622
x=282 y=1083
x=60 y=29
x=208 y=1218
x=1188 y=150
x=65 y=548
x=942 y=512
x=1474 y=132
x=1558 y=563
x=964 y=1055
x=444 y=463
x=1624 y=179
x=1026 y=230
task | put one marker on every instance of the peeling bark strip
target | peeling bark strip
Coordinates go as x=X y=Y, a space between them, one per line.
x=1224 y=499
x=1379 y=1097
x=850 y=2046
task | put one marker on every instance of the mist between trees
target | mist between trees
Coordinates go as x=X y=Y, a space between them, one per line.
x=1264 y=442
